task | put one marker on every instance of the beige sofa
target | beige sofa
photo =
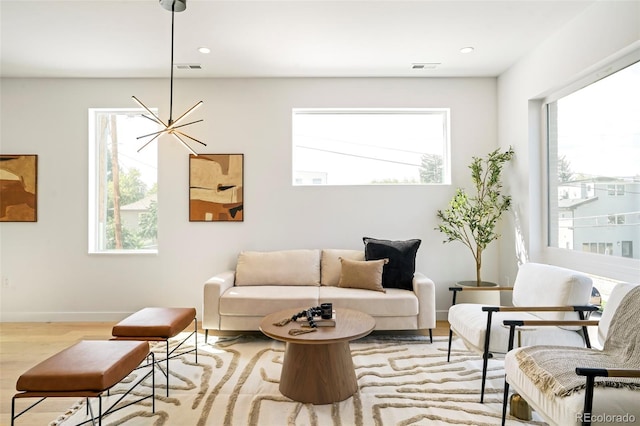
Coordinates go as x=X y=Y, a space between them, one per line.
x=267 y=282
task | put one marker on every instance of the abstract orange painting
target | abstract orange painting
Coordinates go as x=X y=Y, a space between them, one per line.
x=216 y=188
x=18 y=188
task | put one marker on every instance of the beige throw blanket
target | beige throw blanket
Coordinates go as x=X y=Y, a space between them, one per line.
x=552 y=368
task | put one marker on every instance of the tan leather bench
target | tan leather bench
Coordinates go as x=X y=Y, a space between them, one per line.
x=86 y=369
x=159 y=324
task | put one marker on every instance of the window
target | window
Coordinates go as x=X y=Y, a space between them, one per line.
x=601 y=248
x=370 y=146
x=594 y=166
x=615 y=190
x=123 y=185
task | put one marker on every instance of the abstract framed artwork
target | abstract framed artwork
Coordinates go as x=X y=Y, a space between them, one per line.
x=18 y=188
x=216 y=188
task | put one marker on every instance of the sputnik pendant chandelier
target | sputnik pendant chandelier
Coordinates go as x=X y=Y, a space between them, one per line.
x=171 y=127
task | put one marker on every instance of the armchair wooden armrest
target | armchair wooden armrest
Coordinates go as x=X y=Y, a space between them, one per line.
x=608 y=372
x=557 y=323
x=591 y=374
x=512 y=324
x=578 y=308
x=455 y=290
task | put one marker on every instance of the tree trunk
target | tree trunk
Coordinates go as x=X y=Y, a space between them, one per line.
x=117 y=221
x=478 y=266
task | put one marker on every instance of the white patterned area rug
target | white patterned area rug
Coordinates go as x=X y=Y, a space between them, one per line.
x=403 y=380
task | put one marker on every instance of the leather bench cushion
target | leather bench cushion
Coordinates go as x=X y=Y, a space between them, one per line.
x=155 y=322
x=89 y=365
x=395 y=302
x=285 y=267
x=264 y=300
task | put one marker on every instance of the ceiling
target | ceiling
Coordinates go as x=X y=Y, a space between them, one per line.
x=265 y=38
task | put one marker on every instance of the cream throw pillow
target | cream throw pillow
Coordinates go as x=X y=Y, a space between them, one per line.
x=362 y=274
x=285 y=267
x=330 y=266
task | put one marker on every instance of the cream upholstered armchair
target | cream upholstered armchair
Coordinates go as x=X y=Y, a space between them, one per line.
x=540 y=292
x=573 y=386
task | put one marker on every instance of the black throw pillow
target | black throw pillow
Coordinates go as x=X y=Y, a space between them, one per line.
x=398 y=273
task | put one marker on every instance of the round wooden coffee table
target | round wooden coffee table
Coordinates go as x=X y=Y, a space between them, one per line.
x=317 y=366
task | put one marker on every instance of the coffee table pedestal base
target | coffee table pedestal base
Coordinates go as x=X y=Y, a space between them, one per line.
x=318 y=373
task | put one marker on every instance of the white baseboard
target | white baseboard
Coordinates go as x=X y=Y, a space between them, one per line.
x=442 y=315
x=63 y=316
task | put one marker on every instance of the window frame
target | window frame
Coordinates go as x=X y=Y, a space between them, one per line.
x=446 y=153
x=93 y=235
x=615 y=267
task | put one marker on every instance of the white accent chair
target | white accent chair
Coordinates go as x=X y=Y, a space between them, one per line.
x=604 y=405
x=540 y=292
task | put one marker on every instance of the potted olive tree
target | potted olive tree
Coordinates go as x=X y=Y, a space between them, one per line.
x=472 y=218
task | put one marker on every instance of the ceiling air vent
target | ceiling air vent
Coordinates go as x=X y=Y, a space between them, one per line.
x=188 y=66
x=425 y=66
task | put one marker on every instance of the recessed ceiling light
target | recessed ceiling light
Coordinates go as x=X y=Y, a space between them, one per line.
x=467 y=49
x=204 y=50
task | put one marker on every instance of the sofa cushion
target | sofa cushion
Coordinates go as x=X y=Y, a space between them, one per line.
x=394 y=303
x=330 y=266
x=398 y=273
x=363 y=274
x=260 y=300
x=286 y=267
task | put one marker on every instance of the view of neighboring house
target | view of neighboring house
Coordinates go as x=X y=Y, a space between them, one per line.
x=600 y=215
x=131 y=214
x=139 y=226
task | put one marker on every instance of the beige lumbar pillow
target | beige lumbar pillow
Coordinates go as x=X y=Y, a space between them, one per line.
x=364 y=274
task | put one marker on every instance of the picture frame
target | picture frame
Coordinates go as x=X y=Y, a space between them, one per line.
x=18 y=188
x=216 y=188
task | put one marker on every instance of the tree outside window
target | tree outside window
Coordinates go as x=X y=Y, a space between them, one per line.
x=123 y=189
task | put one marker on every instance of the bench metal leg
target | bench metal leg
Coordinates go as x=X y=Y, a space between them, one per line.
x=169 y=354
x=112 y=408
x=13 y=405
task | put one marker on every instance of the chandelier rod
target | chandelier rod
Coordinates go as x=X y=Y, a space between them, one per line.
x=173 y=7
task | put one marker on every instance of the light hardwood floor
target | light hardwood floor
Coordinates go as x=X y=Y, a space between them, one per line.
x=23 y=345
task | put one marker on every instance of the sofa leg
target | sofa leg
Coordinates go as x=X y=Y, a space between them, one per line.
x=449 y=350
x=206 y=335
x=431 y=335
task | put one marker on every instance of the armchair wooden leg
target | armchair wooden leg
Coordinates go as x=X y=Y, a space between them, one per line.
x=588 y=401
x=504 y=401
x=430 y=336
x=485 y=362
x=486 y=355
x=449 y=350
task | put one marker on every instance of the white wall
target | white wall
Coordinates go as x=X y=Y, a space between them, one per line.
x=47 y=273
x=604 y=32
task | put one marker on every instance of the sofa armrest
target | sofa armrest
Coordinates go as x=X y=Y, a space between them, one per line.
x=425 y=291
x=214 y=288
